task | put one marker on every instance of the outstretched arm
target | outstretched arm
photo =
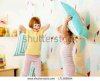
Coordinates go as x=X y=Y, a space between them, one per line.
x=64 y=26
x=59 y=28
x=22 y=29
x=46 y=27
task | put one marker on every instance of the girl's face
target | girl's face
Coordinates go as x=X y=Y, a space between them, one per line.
x=36 y=26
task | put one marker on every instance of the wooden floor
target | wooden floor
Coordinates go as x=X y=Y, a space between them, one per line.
x=58 y=73
x=55 y=73
x=45 y=72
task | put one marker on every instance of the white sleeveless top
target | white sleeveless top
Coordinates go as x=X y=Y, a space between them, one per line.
x=67 y=59
x=66 y=49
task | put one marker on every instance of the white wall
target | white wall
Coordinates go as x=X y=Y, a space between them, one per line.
x=7 y=47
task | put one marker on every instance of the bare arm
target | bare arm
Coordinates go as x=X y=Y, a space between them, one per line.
x=22 y=29
x=83 y=21
x=46 y=27
x=65 y=25
x=59 y=29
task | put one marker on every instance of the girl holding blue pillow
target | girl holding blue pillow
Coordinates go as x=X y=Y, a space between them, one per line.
x=32 y=54
x=66 y=47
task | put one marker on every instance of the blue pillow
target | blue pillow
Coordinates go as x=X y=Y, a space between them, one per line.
x=75 y=25
x=21 y=45
x=31 y=71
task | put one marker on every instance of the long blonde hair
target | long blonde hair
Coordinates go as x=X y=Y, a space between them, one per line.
x=67 y=34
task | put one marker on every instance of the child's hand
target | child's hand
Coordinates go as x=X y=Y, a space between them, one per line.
x=22 y=28
x=46 y=27
x=68 y=18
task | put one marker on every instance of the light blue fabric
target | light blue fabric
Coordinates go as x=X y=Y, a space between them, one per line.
x=75 y=25
x=32 y=71
x=88 y=65
x=21 y=45
x=82 y=45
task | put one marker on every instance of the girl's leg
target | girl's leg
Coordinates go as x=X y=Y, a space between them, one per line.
x=68 y=65
x=37 y=64
x=26 y=65
x=67 y=60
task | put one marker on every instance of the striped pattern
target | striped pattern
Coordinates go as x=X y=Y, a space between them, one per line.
x=21 y=45
x=67 y=59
